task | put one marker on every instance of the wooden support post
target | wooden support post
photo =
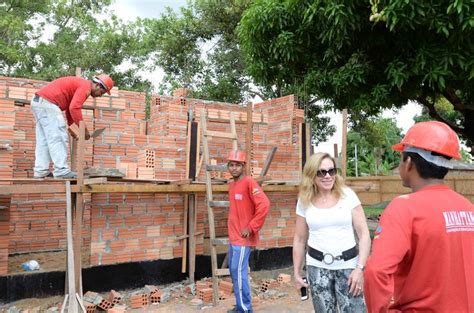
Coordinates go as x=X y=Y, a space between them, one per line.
x=248 y=138
x=71 y=283
x=192 y=235
x=344 y=144
x=308 y=140
x=79 y=208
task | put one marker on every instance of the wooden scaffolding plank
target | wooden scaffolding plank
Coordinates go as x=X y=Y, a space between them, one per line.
x=217 y=134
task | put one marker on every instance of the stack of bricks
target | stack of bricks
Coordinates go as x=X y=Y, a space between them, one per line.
x=90 y=307
x=226 y=287
x=139 y=300
x=280 y=132
x=154 y=293
x=205 y=294
x=146 y=164
x=115 y=297
x=268 y=284
x=284 y=279
x=129 y=169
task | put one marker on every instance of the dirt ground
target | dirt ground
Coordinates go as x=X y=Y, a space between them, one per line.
x=48 y=261
x=284 y=298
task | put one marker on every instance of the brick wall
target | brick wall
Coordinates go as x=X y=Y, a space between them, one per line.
x=133 y=226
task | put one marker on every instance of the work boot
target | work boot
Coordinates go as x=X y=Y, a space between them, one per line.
x=49 y=175
x=70 y=175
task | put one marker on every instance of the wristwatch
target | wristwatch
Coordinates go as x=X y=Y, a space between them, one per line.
x=360 y=266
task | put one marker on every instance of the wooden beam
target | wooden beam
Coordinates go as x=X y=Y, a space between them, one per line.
x=37 y=188
x=268 y=161
x=94 y=181
x=344 y=144
x=192 y=234
x=79 y=208
x=248 y=138
x=191 y=188
x=217 y=134
x=71 y=279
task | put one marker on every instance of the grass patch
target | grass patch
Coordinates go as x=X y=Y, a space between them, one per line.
x=373 y=212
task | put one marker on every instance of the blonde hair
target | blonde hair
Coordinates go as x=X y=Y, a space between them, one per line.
x=308 y=188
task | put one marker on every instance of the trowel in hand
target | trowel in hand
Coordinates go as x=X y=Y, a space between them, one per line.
x=97 y=132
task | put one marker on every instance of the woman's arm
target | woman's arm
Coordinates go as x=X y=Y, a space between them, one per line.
x=356 y=279
x=362 y=230
x=299 y=249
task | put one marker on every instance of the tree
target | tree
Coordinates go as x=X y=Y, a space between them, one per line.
x=199 y=48
x=374 y=138
x=408 y=50
x=79 y=38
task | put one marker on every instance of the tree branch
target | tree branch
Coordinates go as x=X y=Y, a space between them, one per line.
x=451 y=96
x=434 y=114
x=256 y=93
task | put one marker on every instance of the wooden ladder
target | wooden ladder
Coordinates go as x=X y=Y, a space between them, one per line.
x=211 y=204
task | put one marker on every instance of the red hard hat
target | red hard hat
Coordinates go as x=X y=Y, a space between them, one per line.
x=431 y=136
x=237 y=156
x=105 y=81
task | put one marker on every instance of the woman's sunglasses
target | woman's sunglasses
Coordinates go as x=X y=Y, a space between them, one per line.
x=323 y=173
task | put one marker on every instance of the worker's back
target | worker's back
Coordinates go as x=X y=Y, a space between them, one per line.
x=437 y=271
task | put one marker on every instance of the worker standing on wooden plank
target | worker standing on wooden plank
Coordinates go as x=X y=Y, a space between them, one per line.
x=423 y=250
x=328 y=215
x=63 y=94
x=248 y=209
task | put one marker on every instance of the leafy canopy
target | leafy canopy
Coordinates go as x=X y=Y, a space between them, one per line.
x=81 y=34
x=367 y=57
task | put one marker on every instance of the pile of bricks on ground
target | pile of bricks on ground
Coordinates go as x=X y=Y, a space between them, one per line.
x=116 y=303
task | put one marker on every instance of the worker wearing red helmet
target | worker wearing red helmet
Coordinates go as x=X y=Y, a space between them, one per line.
x=248 y=209
x=66 y=94
x=423 y=249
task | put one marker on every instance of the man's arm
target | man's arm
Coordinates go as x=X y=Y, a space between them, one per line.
x=77 y=102
x=74 y=112
x=262 y=206
x=391 y=243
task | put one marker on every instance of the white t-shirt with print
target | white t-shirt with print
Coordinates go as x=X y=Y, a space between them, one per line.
x=331 y=230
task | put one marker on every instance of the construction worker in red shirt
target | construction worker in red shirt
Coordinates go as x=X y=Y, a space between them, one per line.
x=66 y=94
x=423 y=249
x=248 y=209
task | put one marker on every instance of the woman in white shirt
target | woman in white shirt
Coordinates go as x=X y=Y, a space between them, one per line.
x=327 y=213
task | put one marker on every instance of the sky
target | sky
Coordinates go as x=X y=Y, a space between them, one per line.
x=129 y=10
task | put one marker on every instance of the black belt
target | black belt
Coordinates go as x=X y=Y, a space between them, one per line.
x=328 y=258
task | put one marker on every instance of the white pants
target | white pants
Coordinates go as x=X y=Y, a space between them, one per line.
x=51 y=138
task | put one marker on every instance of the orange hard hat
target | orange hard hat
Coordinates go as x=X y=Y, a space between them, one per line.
x=237 y=156
x=431 y=136
x=105 y=81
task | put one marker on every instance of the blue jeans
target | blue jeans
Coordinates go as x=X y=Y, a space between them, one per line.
x=238 y=265
x=51 y=138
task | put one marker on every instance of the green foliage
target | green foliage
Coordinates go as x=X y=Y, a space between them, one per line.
x=374 y=138
x=366 y=58
x=199 y=48
x=446 y=110
x=79 y=38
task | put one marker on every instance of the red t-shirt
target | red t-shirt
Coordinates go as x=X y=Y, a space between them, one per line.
x=248 y=208
x=69 y=93
x=423 y=254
